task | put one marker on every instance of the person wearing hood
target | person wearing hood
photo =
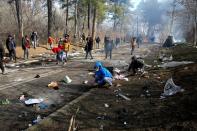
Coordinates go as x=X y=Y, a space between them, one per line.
x=102 y=75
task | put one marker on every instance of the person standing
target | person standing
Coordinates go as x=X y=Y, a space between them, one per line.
x=11 y=47
x=98 y=41
x=66 y=46
x=89 y=46
x=108 y=47
x=34 y=39
x=50 y=41
x=2 y=53
x=117 y=41
x=133 y=44
x=26 y=46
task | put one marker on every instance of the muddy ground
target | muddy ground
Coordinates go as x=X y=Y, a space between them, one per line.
x=101 y=108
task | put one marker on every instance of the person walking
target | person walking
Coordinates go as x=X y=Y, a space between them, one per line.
x=2 y=53
x=98 y=41
x=51 y=41
x=11 y=47
x=89 y=46
x=66 y=46
x=34 y=39
x=26 y=46
x=108 y=47
x=133 y=44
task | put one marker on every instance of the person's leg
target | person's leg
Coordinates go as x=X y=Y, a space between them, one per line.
x=86 y=55
x=24 y=53
x=66 y=56
x=27 y=51
x=108 y=80
x=106 y=53
x=14 y=54
x=90 y=52
x=110 y=54
x=2 y=67
x=10 y=55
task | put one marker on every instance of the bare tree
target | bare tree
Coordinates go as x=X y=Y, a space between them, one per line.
x=49 y=5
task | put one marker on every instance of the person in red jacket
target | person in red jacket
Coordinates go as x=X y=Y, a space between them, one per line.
x=59 y=54
x=26 y=46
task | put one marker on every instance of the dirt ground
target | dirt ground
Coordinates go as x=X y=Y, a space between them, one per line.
x=102 y=108
x=141 y=113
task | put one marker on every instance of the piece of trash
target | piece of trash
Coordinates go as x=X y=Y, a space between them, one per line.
x=123 y=96
x=91 y=73
x=101 y=127
x=67 y=79
x=145 y=92
x=37 y=76
x=85 y=82
x=33 y=101
x=170 y=89
x=37 y=120
x=22 y=98
x=186 y=68
x=106 y=105
x=117 y=70
x=53 y=85
x=125 y=123
x=5 y=102
x=29 y=125
x=120 y=77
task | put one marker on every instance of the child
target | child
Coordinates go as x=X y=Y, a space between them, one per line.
x=66 y=47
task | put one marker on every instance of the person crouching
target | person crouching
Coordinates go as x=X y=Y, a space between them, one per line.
x=135 y=65
x=102 y=75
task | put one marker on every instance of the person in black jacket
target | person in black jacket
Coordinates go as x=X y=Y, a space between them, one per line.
x=2 y=52
x=135 y=65
x=89 y=46
x=11 y=47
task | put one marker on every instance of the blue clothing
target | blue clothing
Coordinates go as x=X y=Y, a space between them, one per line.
x=101 y=74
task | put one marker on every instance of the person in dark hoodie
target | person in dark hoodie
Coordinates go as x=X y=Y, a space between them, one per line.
x=2 y=52
x=11 y=47
x=135 y=65
x=102 y=75
x=89 y=46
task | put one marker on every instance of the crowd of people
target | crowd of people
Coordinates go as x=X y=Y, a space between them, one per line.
x=102 y=75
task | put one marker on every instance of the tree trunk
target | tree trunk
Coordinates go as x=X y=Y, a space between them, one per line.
x=19 y=17
x=89 y=16
x=49 y=5
x=67 y=1
x=76 y=20
x=94 y=25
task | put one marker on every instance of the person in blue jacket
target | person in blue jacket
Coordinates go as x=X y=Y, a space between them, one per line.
x=102 y=75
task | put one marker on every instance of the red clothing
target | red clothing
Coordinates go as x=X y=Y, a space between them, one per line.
x=27 y=43
x=50 y=40
x=56 y=50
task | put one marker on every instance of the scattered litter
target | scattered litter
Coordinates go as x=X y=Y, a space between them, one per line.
x=37 y=76
x=33 y=101
x=53 y=85
x=120 y=77
x=29 y=125
x=67 y=79
x=125 y=123
x=175 y=63
x=4 y=102
x=118 y=85
x=106 y=105
x=18 y=79
x=37 y=120
x=85 y=82
x=170 y=89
